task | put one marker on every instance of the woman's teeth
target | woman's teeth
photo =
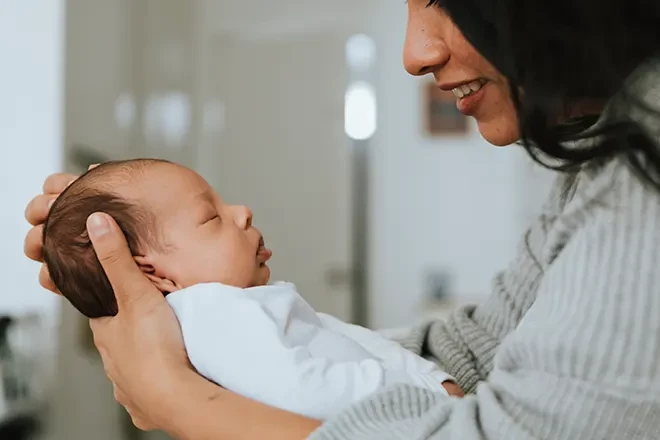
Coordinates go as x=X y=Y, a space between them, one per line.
x=468 y=89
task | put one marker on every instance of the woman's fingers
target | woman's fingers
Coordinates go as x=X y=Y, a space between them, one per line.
x=121 y=398
x=453 y=389
x=33 y=245
x=45 y=280
x=37 y=210
x=57 y=183
x=128 y=282
x=36 y=214
x=138 y=419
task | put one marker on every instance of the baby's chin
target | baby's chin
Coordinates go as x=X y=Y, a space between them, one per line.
x=261 y=276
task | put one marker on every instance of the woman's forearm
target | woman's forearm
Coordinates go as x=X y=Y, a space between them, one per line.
x=196 y=409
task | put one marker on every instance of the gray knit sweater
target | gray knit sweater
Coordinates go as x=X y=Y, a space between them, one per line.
x=568 y=345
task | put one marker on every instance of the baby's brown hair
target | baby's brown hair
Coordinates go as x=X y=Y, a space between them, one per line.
x=68 y=251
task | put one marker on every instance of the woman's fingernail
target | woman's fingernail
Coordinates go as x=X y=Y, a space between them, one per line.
x=69 y=184
x=98 y=225
x=50 y=204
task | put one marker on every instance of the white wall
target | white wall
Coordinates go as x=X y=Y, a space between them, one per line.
x=437 y=203
x=31 y=50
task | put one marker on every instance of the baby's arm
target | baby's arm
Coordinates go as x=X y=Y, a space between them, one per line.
x=394 y=357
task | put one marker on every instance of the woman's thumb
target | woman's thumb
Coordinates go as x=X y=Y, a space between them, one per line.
x=126 y=278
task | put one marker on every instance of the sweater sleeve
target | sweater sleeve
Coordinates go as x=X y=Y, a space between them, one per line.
x=583 y=361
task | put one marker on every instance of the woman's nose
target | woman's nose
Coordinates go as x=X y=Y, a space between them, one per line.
x=243 y=216
x=424 y=50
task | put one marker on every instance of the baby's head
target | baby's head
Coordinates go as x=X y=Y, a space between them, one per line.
x=179 y=230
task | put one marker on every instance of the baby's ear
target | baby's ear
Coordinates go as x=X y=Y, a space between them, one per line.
x=145 y=264
x=163 y=284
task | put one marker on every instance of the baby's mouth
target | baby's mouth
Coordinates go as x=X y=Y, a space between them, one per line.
x=263 y=254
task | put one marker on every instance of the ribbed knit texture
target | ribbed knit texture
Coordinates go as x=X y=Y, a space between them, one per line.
x=567 y=347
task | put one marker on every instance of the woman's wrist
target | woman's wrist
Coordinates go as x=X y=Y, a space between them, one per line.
x=183 y=393
x=196 y=409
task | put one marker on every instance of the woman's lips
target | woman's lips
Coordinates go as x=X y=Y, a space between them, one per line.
x=468 y=104
x=468 y=94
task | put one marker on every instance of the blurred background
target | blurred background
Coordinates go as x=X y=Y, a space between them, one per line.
x=380 y=202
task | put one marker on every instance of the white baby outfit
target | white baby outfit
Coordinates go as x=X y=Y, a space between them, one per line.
x=267 y=343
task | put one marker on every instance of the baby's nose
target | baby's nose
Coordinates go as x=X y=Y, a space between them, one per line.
x=243 y=216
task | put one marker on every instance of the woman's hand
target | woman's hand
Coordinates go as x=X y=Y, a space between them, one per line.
x=453 y=389
x=141 y=347
x=36 y=214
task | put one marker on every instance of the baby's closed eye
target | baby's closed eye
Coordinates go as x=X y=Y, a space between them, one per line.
x=215 y=217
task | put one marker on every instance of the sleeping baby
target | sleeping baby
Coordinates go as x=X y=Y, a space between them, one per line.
x=261 y=340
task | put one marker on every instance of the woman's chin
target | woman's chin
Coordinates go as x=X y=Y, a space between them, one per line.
x=499 y=133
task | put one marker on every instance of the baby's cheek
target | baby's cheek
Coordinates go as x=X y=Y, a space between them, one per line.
x=224 y=267
x=179 y=269
x=245 y=271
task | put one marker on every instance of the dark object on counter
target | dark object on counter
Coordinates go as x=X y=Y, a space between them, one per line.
x=439 y=284
x=19 y=421
x=25 y=427
x=9 y=382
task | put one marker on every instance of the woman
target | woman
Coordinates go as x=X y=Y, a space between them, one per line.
x=568 y=345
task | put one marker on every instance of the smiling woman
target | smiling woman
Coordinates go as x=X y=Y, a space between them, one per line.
x=435 y=45
x=547 y=70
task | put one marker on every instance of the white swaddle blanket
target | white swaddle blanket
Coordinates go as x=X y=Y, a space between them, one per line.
x=268 y=344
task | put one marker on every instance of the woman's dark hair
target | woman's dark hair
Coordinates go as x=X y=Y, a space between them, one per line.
x=562 y=53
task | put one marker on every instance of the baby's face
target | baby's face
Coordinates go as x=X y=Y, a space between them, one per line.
x=204 y=239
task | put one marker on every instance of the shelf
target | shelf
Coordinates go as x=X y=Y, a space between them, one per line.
x=442 y=309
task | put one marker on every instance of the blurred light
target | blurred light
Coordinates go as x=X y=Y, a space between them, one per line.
x=360 y=52
x=168 y=119
x=360 y=111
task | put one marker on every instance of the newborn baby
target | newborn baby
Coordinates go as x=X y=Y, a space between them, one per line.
x=262 y=341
